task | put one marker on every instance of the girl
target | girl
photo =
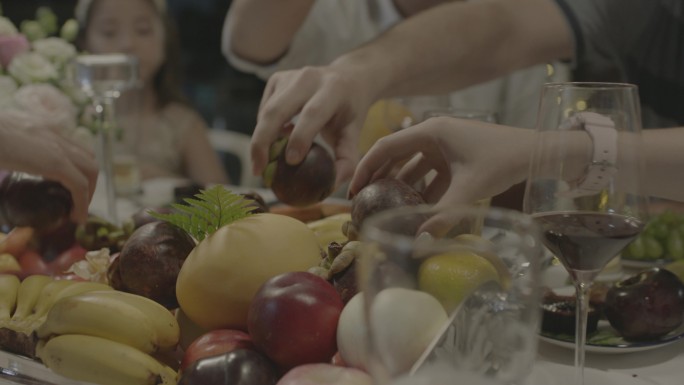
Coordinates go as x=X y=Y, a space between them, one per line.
x=166 y=135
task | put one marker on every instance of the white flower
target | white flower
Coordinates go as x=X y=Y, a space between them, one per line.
x=7 y=88
x=7 y=28
x=31 y=67
x=55 y=50
x=48 y=104
x=93 y=267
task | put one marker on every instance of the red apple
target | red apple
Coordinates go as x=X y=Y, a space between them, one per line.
x=325 y=374
x=215 y=342
x=293 y=319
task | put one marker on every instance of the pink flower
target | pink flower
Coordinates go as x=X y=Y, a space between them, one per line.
x=11 y=46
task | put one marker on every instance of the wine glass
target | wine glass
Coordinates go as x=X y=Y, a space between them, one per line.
x=455 y=305
x=103 y=77
x=583 y=186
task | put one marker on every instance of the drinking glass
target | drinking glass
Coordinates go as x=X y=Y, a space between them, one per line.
x=404 y=112
x=457 y=303
x=583 y=186
x=103 y=77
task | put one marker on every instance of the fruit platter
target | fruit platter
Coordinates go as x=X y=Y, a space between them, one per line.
x=187 y=293
x=662 y=240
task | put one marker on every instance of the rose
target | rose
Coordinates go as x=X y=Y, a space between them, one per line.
x=7 y=89
x=11 y=46
x=55 y=50
x=48 y=104
x=31 y=67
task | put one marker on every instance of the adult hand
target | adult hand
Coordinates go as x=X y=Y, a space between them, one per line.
x=328 y=100
x=42 y=152
x=472 y=159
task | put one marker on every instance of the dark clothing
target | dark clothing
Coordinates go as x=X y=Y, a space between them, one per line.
x=633 y=41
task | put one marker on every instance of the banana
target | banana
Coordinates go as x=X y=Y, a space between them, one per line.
x=9 y=286
x=329 y=229
x=102 y=361
x=28 y=294
x=95 y=315
x=161 y=319
x=47 y=297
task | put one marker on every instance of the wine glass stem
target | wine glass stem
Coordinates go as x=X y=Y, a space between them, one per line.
x=581 y=314
x=105 y=117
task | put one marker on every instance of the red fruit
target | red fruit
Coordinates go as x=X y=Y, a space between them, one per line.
x=293 y=319
x=214 y=343
x=304 y=184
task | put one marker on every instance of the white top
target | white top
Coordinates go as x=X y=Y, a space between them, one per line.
x=334 y=27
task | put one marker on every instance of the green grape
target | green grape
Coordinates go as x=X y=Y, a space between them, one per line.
x=636 y=249
x=653 y=249
x=675 y=245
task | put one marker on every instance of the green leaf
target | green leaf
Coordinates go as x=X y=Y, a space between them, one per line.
x=210 y=210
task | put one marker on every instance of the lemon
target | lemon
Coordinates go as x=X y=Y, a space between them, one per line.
x=451 y=277
x=383 y=117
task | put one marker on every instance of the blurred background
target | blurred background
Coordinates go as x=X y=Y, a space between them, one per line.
x=226 y=97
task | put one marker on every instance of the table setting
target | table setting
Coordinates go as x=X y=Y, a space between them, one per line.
x=171 y=282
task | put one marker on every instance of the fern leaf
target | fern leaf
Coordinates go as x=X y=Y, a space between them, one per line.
x=208 y=211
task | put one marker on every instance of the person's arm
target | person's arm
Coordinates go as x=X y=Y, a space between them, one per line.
x=664 y=163
x=260 y=31
x=445 y=48
x=42 y=152
x=476 y=160
x=202 y=163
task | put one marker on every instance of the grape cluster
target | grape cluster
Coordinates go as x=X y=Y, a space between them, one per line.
x=662 y=238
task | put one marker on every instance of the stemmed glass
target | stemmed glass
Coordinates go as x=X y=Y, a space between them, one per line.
x=583 y=186
x=103 y=77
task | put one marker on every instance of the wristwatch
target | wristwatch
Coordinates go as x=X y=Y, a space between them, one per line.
x=601 y=130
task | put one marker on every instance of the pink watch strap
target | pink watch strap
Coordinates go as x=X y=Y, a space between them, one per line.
x=601 y=130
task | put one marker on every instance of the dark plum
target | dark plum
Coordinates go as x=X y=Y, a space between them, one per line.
x=28 y=200
x=646 y=306
x=381 y=195
x=150 y=260
x=304 y=184
x=238 y=367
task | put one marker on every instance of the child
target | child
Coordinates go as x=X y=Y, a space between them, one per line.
x=166 y=135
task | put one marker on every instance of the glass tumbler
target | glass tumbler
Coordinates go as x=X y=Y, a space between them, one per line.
x=439 y=298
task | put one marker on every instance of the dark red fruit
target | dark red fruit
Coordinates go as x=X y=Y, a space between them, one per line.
x=647 y=305
x=28 y=200
x=381 y=195
x=304 y=184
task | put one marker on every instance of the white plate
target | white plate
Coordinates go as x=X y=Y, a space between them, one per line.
x=548 y=373
x=606 y=340
x=643 y=264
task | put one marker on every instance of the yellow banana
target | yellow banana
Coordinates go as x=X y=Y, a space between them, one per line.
x=28 y=294
x=102 y=361
x=9 y=286
x=161 y=319
x=96 y=315
x=329 y=229
x=47 y=298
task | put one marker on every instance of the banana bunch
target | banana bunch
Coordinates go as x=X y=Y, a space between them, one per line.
x=329 y=229
x=24 y=306
x=107 y=337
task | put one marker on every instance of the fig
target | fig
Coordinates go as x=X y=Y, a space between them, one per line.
x=381 y=195
x=304 y=184
x=29 y=200
x=150 y=260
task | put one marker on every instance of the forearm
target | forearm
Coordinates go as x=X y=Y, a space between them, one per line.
x=664 y=164
x=459 y=44
x=261 y=30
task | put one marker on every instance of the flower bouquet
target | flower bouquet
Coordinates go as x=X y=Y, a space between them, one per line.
x=34 y=89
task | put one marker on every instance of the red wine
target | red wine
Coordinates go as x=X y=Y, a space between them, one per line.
x=586 y=241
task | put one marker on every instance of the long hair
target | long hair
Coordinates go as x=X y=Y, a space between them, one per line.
x=167 y=80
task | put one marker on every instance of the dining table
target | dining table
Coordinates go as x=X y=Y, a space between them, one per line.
x=661 y=364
